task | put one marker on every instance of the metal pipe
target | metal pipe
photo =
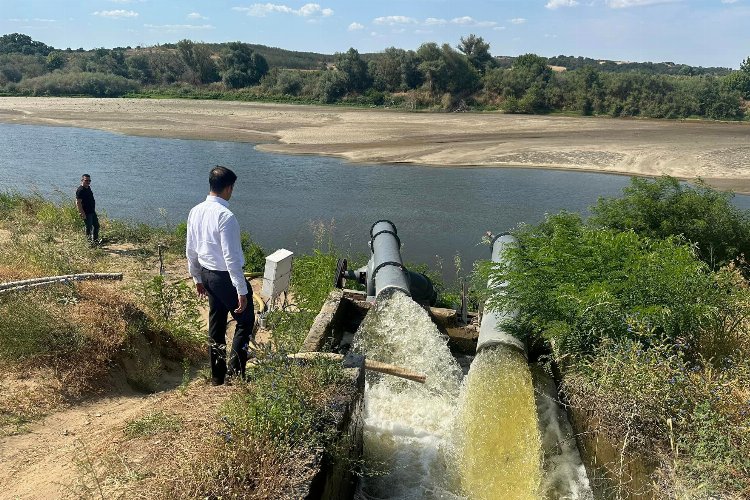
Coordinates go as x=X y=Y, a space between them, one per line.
x=490 y=332
x=387 y=272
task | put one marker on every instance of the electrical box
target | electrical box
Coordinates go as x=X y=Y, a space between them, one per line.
x=277 y=274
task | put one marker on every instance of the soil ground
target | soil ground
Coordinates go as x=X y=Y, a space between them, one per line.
x=80 y=450
x=718 y=152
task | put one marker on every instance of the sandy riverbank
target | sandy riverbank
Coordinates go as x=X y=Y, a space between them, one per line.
x=717 y=152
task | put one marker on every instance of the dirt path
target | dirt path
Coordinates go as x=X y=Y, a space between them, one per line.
x=717 y=152
x=81 y=450
x=58 y=456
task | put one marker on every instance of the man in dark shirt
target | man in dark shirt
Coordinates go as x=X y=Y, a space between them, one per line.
x=87 y=208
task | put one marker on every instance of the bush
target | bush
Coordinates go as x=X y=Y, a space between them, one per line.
x=651 y=343
x=173 y=308
x=89 y=84
x=578 y=285
x=665 y=207
x=286 y=402
x=255 y=256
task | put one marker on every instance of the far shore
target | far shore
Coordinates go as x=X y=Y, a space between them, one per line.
x=717 y=152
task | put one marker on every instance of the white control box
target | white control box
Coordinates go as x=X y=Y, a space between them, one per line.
x=277 y=274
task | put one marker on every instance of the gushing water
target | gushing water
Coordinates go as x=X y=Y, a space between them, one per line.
x=408 y=426
x=499 y=439
x=448 y=440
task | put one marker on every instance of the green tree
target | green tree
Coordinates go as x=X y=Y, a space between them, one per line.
x=385 y=69
x=23 y=44
x=197 y=57
x=665 y=207
x=478 y=52
x=55 y=60
x=355 y=69
x=139 y=68
x=242 y=66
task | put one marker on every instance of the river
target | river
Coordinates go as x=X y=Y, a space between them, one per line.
x=439 y=211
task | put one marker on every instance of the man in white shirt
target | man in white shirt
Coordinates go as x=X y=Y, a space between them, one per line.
x=215 y=262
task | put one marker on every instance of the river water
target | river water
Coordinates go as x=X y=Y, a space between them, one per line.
x=438 y=211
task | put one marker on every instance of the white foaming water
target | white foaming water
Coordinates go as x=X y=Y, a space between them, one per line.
x=411 y=429
x=564 y=473
x=408 y=426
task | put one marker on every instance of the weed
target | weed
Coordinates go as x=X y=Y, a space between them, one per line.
x=156 y=422
x=255 y=256
x=173 y=308
x=32 y=326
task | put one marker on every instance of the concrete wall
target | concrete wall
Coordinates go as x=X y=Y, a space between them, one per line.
x=336 y=477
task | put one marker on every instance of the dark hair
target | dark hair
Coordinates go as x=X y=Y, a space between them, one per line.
x=85 y=175
x=220 y=178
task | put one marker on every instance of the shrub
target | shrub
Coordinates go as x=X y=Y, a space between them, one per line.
x=90 y=84
x=578 y=285
x=255 y=256
x=286 y=401
x=173 y=307
x=665 y=207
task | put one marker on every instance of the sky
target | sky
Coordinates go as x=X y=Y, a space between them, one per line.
x=697 y=32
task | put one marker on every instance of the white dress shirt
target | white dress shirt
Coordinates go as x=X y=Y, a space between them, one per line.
x=213 y=242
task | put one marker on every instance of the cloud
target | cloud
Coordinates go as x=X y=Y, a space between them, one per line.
x=556 y=4
x=263 y=9
x=172 y=28
x=518 y=20
x=393 y=20
x=432 y=21
x=470 y=21
x=728 y=1
x=115 y=14
x=356 y=27
x=196 y=15
x=624 y=4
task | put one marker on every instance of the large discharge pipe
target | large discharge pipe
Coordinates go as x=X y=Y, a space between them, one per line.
x=490 y=333
x=385 y=271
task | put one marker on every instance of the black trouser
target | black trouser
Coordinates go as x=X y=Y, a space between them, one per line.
x=92 y=226
x=222 y=299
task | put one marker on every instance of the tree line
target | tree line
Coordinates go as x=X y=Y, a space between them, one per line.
x=434 y=76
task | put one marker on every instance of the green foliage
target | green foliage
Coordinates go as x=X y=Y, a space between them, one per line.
x=242 y=67
x=578 y=285
x=289 y=328
x=286 y=403
x=665 y=207
x=255 y=256
x=651 y=342
x=19 y=43
x=38 y=228
x=91 y=84
x=355 y=69
x=434 y=76
x=155 y=422
x=478 y=52
x=173 y=308
x=332 y=85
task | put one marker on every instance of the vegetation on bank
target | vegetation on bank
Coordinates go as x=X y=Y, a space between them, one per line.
x=437 y=77
x=645 y=305
x=647 y=311
x=66 y=340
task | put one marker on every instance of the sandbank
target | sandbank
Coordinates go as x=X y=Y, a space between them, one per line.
x=718 y=152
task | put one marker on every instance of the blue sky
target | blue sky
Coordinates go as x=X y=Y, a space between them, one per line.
x=701 y=32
